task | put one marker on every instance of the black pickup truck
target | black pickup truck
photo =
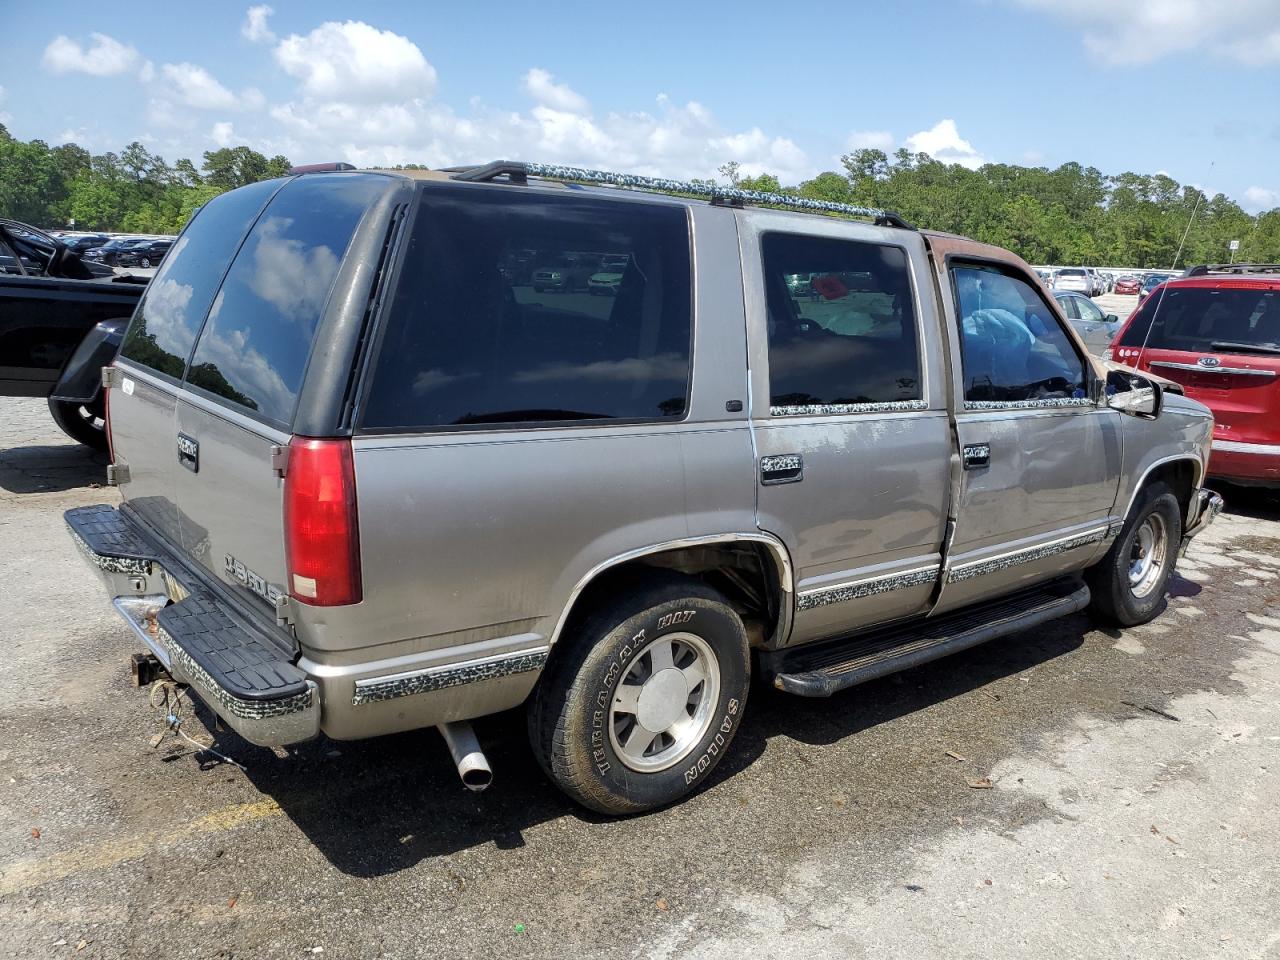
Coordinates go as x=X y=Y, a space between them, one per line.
x=61 y=321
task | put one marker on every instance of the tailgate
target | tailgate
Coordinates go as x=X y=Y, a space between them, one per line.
x=1242 y=391
x=246 y=374
x=143 y=401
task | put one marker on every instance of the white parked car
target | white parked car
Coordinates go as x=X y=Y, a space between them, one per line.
x=1077 y=279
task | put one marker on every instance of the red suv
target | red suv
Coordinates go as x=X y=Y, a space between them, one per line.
x=1216 y=331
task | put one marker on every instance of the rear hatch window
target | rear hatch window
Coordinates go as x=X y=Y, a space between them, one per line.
x=254 y=347
x=167 y=320
x=1225 y=319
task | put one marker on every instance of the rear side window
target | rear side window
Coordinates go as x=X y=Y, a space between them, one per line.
x=517 y=306
x=1208 y=320
x=255 y=345
x=842 y=326
x=166 y=322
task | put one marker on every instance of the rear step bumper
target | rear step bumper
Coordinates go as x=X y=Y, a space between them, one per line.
x=821 y=670
x=239 y=672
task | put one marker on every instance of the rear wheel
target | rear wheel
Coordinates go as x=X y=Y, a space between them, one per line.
x=641 y=706
x=84 y=423
x=1129 y=583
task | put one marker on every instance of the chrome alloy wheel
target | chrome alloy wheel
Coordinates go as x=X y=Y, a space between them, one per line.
x=1149 y=555
x=662 y=706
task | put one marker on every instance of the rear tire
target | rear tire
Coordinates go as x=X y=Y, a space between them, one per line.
x=642 y=702
x=1129 y=583
x=82 y=423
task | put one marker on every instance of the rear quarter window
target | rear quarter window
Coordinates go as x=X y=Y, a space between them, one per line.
x=526 y=307
x=254 y=348
x=166 y=322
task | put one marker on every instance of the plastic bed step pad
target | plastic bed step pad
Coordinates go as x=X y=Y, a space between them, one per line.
x=243 y=664
x=107 y=533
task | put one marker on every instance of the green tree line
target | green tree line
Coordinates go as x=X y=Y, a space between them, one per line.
x=1070 y=215
x=134 y=191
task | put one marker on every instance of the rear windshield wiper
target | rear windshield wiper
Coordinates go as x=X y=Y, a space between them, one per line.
x=1240 y=347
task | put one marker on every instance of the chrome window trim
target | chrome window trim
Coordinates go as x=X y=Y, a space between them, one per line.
x=828 y=409
x=1198 y=368
x=776 y=547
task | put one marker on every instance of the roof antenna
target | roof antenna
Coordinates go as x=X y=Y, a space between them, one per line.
x=1137 y=363
x=1199 y=195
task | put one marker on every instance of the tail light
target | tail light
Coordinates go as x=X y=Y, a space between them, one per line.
x=322 y=541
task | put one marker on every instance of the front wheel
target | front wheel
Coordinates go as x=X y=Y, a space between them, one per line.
x=1129 y=583
x=645 y=700
x=84 y=423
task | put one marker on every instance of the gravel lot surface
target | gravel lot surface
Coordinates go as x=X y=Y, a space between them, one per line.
x=1131 y=809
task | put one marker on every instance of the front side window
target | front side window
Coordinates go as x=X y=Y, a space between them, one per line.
x=519 y=306
x=1013 y=348
x=255 y=345
x=166 y=322
x=841 y=322
x=1088 y=310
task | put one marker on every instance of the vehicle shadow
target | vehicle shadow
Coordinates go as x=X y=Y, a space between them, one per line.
x=1257 y=503
x=376 y=807
x=51 y=469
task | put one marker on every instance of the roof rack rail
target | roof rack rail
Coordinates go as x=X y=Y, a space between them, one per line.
x=321 y=167
x=1208 y=268
x=519 y=173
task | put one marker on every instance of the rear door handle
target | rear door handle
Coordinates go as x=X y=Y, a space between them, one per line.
x=977 y=455
x=783 y=468
x=189 y=452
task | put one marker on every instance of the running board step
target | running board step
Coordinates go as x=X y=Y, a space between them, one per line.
x=819 y=670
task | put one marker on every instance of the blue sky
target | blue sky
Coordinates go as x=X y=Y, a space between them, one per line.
x=1189 y=87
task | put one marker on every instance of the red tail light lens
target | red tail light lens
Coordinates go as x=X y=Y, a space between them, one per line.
x=322 y=542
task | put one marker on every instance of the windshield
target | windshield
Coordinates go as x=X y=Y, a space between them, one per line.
x=1152 y=282
x=1070 y=273
x=1209 y=320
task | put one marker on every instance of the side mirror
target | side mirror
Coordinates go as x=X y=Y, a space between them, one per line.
x=1134 y=394
x=1111 y=318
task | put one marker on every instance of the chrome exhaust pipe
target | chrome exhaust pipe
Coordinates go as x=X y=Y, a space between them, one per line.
x=473 y=766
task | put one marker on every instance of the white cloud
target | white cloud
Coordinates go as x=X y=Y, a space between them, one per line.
x=223 y=134
x=943 y=142
x=147 y=72
x=673 y=140
x=353 y=61
x=869 y=140
x=194 y=86
x=1258 y=199
x=540 y=85
x=103 y=58
x=1141 y=31
x=255 y=29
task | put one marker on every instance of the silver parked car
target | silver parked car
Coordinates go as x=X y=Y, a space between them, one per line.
x=1096 y=329
x=371 y=484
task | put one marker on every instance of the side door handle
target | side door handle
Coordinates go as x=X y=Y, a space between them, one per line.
x=977 y=455
x=189 y=452
x=783 y=468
